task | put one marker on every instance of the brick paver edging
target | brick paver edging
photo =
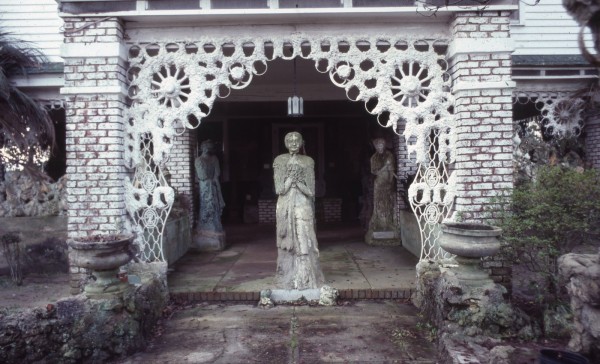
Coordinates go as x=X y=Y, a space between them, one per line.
x=344 y=294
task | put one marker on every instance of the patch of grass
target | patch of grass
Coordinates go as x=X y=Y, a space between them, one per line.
x=429 y=331
x=400 y=334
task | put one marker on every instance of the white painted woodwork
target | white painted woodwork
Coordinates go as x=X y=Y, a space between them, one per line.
x=39 y=80
x=36 y=21
x=141 y=32
x=545 y=29
x=341 y=15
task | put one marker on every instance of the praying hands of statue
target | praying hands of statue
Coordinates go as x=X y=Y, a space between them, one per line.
x=287 y=184
x=294 y=171
x=291 y=177
x=295 y=178
x=387 y=166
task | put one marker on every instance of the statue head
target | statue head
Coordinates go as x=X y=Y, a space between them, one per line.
x=293 y=142
x=379 y=145
x=207 y=146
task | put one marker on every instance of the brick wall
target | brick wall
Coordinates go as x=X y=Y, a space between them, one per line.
x=94 y=84
x=480 y=67
x=266 y=211
x=592 y=142
x=95 y=171
x=94 y=125
x=332 y=209
x=181 y=169
x=500 y=271
x=326 y=210
x=404 y=166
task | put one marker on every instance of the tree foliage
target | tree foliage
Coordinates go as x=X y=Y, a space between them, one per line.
x=549 y=216
x=25 y=125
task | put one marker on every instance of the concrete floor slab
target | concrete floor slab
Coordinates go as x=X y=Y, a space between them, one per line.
x=367 y=332
x=362 y=335
x=249 y=277
x=207 y=284
x=389 y=278
x=248 y=264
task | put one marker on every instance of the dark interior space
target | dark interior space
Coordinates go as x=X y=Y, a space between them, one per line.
x=525 y=108
x=56 y=166
x=250 y=135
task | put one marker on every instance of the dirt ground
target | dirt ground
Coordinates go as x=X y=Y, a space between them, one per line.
x=45 y=275
x=36 y=291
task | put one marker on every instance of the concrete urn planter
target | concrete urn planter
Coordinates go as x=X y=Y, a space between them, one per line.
x=470 y=242
x=103 y=255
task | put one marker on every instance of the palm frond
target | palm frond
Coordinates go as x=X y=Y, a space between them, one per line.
x=17 y=55
x=25 y=120
x=4 y=85
x=24 y=123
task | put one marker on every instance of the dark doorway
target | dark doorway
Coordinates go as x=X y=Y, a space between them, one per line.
x=337 y=136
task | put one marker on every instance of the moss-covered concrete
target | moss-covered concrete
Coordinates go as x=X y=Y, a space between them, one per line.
x=363 y=332
x=80 y=330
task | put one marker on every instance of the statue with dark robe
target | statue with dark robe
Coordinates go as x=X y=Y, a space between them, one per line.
x=209 y=232
x=382 y=229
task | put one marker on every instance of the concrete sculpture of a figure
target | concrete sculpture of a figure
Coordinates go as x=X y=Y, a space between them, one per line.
x=298 y=264
x=209 y=232
x=382 y=229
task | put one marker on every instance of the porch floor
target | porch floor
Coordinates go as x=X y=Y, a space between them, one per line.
x=248 y=264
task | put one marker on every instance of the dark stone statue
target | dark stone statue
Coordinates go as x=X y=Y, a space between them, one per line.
x=382 y=229
x=209 y=233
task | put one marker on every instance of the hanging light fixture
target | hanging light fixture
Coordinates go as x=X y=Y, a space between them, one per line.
x=295 y=102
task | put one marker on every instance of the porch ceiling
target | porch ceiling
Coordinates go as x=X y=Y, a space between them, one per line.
x=277 y=84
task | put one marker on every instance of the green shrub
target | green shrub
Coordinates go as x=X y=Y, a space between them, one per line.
x=548 y=217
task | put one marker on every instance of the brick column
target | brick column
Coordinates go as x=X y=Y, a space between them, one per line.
x=404 y=166
x=480 y=64
x=592 y=142
x=181 y=168
x=95 y=89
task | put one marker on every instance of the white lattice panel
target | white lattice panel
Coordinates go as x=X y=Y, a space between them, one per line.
x=174 y=86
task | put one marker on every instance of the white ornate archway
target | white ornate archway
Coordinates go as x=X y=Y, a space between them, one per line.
x=174 y=86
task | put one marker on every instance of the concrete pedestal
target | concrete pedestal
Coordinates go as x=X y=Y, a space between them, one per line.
x=206 y=240
x=291 y=295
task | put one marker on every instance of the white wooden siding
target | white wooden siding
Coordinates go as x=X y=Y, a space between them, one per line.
x=545 y=29
x=35 y=21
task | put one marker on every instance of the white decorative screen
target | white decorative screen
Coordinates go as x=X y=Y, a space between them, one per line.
x=174 y=86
